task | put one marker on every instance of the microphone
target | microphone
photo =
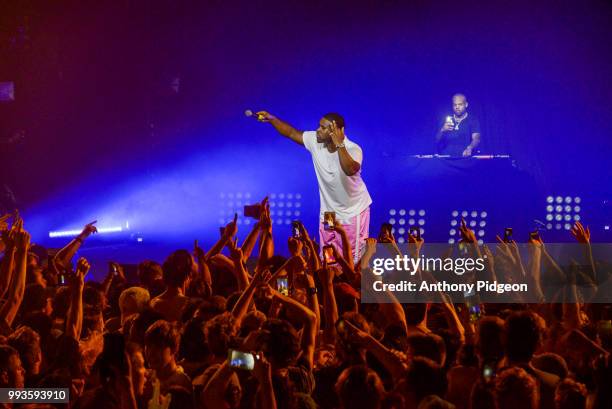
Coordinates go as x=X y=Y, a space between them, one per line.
x=250 y=114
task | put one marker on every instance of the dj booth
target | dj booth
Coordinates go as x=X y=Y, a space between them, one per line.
x=446 y=188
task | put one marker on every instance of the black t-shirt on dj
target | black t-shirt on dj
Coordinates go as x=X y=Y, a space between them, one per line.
x=454 y=142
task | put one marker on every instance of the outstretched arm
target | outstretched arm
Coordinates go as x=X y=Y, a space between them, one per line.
x=74 y=320
x=64 y=256
x=18 y=282
x=282 y=127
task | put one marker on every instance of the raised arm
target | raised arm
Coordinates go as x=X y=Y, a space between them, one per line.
x=203 y=267
x=242 y=305
x=263 y=373
x=64 y=256
x=282 y=127
x=74 y=320
x=313 y=259
x=330 y=308
x=266 y=242
x=348 y=164
x=8 y=261
x=18 y=281
x=347 y=249
x=239 y=270
x=228 y=233
x=308 y=319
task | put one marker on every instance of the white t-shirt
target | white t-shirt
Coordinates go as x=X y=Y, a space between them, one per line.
x=347 y=196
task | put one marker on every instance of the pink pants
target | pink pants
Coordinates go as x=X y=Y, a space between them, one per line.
x=357 y=230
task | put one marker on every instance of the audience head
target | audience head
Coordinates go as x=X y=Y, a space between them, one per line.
x=515 y=388
x=161 y=344
x=359 y=387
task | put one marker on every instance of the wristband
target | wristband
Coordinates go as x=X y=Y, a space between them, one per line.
x=340 y=146
x=312 y=290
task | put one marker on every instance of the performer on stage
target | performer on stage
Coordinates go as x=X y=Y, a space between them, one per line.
x=337 y=163
x=460 y=133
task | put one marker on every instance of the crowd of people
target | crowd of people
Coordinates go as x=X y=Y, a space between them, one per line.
x=164 y=341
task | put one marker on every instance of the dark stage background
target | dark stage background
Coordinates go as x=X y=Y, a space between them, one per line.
x=109 y=138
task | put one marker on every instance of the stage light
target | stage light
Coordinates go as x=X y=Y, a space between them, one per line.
x=101 y=230
x=401 y=240
x=566 y=209
x=476 y=218
x=401 y=220
x=451 y=241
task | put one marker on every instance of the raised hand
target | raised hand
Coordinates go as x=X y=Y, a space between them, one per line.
x=327 y=274
x=262 y=369
x=4 y=222
x=265 y=221
x=295 y=246
x=198 y=252
x=371 y=245
x=467 y=234
x=264 y=116
x=231 y=228
x=581 y=234
x=415 y=244
x=261 y=278
x=120 y=273
x=21 y=240
x=303 y=281
x=159 y=401
x=235 y=251
x=88 y=230
x=303 y=231
x=505 y=249
x=81 y=271
x=337 y=134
